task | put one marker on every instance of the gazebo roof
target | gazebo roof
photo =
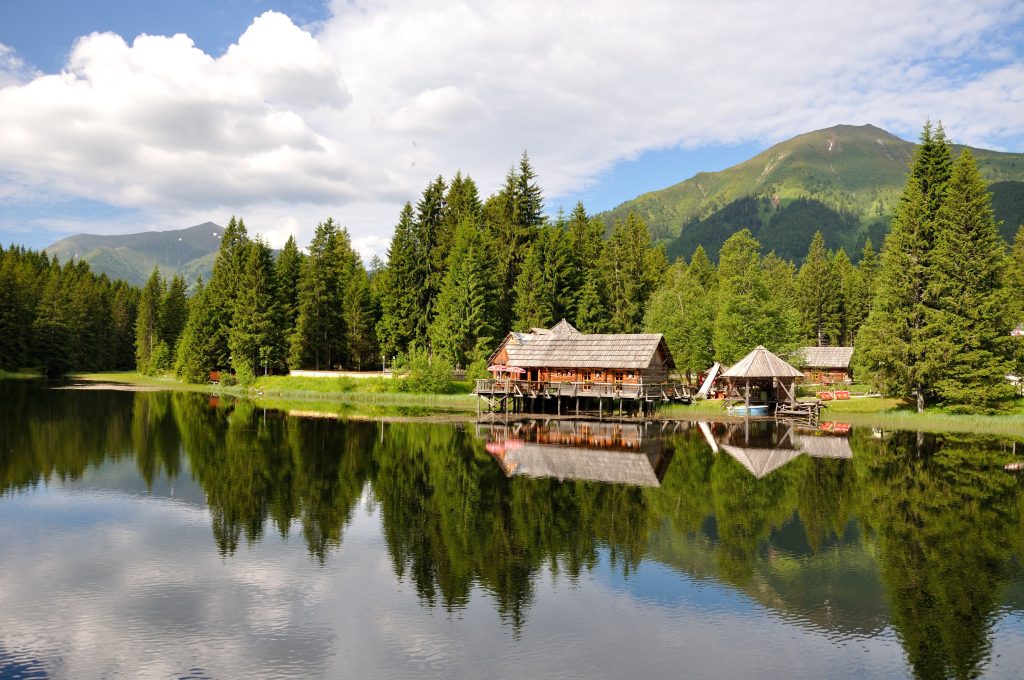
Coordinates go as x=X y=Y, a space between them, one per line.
x=761 y=363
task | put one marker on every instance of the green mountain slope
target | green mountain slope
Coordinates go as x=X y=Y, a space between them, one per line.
x=131 y=257
x=846 y=179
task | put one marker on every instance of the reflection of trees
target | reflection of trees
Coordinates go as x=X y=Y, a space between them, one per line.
x=452 y=520
x=46 y=433
x=938 y=512
x=942 y=509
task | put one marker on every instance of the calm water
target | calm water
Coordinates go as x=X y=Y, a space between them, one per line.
x=160 y=535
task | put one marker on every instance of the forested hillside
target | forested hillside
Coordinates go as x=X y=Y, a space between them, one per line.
x=845 y=179
x=131 y=257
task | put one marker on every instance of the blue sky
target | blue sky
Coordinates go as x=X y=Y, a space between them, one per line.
x=289 y=112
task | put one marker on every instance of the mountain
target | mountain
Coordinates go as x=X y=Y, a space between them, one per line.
x=844 y=181
x=189 y=252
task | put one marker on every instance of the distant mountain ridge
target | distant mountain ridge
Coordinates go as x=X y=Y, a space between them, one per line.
x=844 y=180
x=189 y=252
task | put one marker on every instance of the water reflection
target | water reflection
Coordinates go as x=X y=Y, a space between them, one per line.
x=849 y=535
x=610 y=452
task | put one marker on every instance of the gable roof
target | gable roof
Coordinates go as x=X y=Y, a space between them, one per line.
x=761 y=363
x=576 y=350
x=562 y=346
x=825 y=357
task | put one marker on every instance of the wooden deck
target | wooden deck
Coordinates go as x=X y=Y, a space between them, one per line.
x=538 y=396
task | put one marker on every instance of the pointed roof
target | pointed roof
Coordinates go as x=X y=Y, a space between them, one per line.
x=564 y=326
x=761 y=363
x=825 y=357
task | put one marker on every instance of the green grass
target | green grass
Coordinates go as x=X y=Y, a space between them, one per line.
x=884 y=413
x=298 y=393
x=20 y=375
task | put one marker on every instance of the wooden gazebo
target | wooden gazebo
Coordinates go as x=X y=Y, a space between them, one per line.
x=763 y=378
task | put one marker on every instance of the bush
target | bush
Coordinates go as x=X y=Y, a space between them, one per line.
x=426 y=374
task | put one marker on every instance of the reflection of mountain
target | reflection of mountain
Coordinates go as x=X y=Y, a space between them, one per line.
x=763 y=447
x=613 y=453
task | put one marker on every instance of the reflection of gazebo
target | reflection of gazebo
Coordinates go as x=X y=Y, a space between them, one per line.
x=771 y=379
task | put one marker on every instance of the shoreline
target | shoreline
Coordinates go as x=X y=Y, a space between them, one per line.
x=882 y=413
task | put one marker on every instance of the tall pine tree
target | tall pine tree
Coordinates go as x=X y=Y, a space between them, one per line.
x=967 y=334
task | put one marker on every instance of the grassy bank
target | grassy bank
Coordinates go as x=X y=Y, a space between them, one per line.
x=884 y=413
x=314 y=394
x=19 y=375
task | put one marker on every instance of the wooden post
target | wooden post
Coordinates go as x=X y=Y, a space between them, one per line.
x=600 y=407
x=746 y=398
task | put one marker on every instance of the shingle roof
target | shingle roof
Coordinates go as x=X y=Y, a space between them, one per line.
x=576 y=350
x=614 y=467
x=825 y=357
x=761 y=363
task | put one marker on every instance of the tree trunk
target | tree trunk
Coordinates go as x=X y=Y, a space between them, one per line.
x=920 y=399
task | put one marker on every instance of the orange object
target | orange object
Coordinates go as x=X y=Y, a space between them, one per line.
x=842 y=394
x=825 y=396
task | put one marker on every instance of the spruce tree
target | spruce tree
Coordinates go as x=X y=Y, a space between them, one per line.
x=147 y=323
x=431 y=253
x=174 y=311
x=194 y=354
x=50 y=328
x=462 y=324
x=592 y=308
x=222 y=290
x=286 y=274
x=1015 y=292
x=531 y=309
x=891 y=349
x=399 y=295
x=968 y=340
x=255 y=338
x=319 y=337
x=817 y=295
x=631 y=270
x=683 y=310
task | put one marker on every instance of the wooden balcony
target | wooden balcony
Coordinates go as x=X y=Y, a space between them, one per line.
x=669 y=391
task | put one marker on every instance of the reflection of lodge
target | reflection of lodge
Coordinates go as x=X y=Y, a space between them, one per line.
x=763 y=447
x=614 y=453
x=556 y=369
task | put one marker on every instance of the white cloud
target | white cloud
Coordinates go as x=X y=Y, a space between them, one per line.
x=288 y=127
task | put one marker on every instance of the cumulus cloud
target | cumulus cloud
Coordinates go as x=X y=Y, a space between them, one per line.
x=356 y=119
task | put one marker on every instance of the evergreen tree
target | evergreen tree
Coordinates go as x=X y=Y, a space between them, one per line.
x=529 y=202
x=431 y=253
x=585 y=238
x=852 y=298
x=1015 y=293
x=747 y=316
x=255 y=338
x=50 y=328
x=123 y=310
x=868 y=267
x=683 y=310
x=631 y=270
x=399 y=296
x=817 y=295
x=194 y=354
x=591 y=308
x=531 y=307
x=286 y=274
x=319 y=337
x=967 y=331
x=222 y=290
x=147 y=323
x=890 y=346
x=357 y=305
x=462 y=325
x=174 y=311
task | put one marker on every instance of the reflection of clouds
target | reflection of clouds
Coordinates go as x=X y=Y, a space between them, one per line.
x=139 y=590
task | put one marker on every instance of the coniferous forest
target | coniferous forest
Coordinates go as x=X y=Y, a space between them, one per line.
x=930 y=314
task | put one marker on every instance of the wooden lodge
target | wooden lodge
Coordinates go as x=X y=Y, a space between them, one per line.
x=560 y=370
x=826 y=365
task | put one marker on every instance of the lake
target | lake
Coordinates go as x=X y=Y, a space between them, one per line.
x=178 y=535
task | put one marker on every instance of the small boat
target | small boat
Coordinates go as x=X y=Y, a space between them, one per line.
x=1014 y=467
x=752 y=410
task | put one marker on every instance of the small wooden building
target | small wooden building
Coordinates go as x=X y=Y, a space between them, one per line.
x=762 y=378
x=562 y=354
x=562 y=362
x=826 y=365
